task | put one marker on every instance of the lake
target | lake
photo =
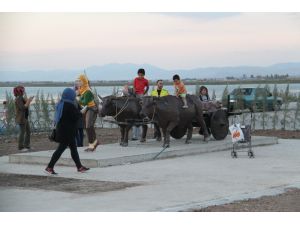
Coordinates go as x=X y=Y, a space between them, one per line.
x=107 y=90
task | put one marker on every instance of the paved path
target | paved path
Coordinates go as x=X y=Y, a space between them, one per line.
x=114 y=154
x=167 y=185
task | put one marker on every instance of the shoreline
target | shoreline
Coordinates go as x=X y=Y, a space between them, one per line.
x=166 y=82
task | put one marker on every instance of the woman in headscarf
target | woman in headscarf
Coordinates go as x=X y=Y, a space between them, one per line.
x=89 y=111
x=22 y=113
x=66 y=117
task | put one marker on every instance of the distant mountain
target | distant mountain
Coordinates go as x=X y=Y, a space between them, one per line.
x=128 y=71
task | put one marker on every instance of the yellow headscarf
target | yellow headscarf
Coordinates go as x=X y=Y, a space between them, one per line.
x=85 y=84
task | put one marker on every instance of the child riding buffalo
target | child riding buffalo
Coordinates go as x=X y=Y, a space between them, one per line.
x=180 y=90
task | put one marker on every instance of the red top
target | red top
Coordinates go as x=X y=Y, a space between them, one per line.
x=140 y=84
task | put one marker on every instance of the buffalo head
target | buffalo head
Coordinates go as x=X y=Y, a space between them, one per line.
x=148 y=105
x=106 y=106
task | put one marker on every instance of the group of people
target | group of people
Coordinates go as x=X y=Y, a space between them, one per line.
x=141 y=87
x=77 y=110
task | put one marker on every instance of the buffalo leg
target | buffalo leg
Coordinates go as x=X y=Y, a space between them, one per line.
x=122 y=129
x=164 y=130
x=189 y=134
x=127 y=128
x=170 y=127
x=202 y=123
x=157 y=133
x=144 y=133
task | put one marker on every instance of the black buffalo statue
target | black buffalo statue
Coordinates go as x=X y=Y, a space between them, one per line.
x=174 y=120
x=125 y=110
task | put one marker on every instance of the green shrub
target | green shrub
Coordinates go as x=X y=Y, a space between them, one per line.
x=286 y=103
x=225 y=96
x=264 y=115
x=275 y=113
x=46 y=120
x=296 y=119
x=213 y=95
x=197 y=89
x=11 y=114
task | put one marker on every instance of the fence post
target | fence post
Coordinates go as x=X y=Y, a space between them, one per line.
x=297 y=113
x=286 y=105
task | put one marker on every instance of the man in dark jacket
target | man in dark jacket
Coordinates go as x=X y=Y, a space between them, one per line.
x=66 y=118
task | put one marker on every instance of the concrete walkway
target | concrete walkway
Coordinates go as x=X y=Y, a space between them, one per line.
x=114 y=154
x=173 y=184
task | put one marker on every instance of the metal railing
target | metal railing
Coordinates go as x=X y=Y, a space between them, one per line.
x=42 y=114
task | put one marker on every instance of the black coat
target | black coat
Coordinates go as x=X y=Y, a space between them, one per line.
x=66 y=128
x=80 y=120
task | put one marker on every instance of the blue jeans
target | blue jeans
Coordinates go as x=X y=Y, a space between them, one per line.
x=136 y=132
x=79 y=137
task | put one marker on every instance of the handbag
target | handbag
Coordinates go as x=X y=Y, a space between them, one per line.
x=53 y=137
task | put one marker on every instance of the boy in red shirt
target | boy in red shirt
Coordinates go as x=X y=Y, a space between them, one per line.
x=140 y=83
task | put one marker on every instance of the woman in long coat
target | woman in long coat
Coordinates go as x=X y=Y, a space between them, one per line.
x=66 y=117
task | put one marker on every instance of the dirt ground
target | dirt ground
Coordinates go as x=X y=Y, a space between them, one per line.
x=288 y=201
x=284 y=134
x=40 y=142
x=60 y=183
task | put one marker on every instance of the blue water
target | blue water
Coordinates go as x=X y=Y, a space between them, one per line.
x=108 y=90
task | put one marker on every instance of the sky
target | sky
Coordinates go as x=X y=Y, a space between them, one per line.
x=46 y=41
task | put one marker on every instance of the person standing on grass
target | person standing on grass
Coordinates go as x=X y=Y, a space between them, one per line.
x=66 y=118
x=22 y=114
x=89 y=111
x=140 y=88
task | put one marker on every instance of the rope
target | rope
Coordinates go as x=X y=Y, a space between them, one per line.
x=122 y=109
x=127 y=123
x=159 y=153
x=152 y=119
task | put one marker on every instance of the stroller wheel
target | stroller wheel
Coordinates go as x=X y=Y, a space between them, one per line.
x=251 y=154
x=233 y=154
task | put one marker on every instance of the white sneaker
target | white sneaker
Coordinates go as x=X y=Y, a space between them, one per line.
x=25 y=150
